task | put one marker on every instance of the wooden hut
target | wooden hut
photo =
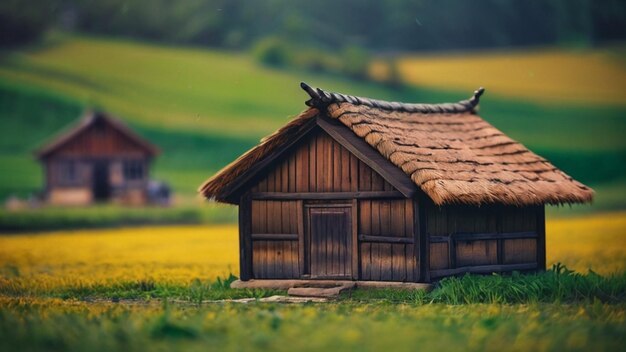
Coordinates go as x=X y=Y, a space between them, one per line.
x=98 y=159
x=362 y=189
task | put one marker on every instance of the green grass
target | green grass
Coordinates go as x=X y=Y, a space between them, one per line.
x=557 y=285
x=35 y=325
x=204 y=108
x=99 y=216
x=548 y=311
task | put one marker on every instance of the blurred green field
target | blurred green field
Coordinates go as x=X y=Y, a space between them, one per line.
x=42 y=324
x=204 y=108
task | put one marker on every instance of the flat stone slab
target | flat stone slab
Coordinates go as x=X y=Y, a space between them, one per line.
x=271 y=299
x=326 y=284
x=328 y=292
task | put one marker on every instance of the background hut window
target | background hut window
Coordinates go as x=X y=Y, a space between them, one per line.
x=68 y=172
x=133 y=170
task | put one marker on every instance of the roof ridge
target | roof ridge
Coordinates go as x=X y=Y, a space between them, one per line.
x=322 y=99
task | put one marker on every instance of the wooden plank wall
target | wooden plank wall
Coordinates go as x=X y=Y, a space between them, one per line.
x=100 y=140
x=383 y=259
x=274 y=257
x=496 y=225
x=320 y=164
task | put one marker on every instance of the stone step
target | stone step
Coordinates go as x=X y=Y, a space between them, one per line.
x=325 y=292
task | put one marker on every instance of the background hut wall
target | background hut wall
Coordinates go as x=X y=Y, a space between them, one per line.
x=99 y=143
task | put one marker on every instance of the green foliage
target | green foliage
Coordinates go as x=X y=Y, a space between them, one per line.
x=355 y=62
x=396 y=25
x=272 y=51
x=557 y=285
x=101 y=216
x=48 y=324
x=221 y=104
x=20 y=24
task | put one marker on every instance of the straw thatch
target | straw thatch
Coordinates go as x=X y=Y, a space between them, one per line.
x=452 y=154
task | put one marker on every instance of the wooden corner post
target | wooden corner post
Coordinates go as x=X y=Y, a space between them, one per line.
x=541 y=237
x=245 y=239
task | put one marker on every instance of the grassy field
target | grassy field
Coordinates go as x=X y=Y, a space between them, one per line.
x=178 y=254
x=40 y=324
x=204 y=108
x=112 y=287
x=549 y=75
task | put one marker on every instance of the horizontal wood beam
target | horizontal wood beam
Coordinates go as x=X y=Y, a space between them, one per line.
x=482 y=269
x=274 y=236
x=326 y=195
x=385 y=239
x=483 y=236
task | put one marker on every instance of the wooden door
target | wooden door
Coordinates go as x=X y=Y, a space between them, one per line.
x=330 y=242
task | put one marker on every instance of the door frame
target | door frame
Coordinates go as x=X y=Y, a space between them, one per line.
x=353 y=246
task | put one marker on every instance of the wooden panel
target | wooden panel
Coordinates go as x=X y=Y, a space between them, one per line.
x=101 y=140
x=438 y=256
x=275 y=259
x=275 y=235
x=482 y=252
x=369 y=155
x=519 y=251
x=320 y=164
x=330 y=232
x=386 y=235
x=484 y=269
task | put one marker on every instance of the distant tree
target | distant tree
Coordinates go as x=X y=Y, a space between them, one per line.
x=355 y=62
x=22 y=23
x=272 y=51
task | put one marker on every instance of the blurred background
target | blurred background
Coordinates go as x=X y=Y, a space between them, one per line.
x=204 y=80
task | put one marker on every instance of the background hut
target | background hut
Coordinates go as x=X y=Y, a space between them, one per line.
x=362 y=189
x=98 y=159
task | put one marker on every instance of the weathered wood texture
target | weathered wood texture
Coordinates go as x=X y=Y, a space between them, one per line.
x=277 y=257
x=387 y=240
x=330 y=236
x=318 y=170
x=100 y=139
x=486 y=237
x=320 y=164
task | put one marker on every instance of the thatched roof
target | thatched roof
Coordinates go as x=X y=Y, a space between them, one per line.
x=447 y=150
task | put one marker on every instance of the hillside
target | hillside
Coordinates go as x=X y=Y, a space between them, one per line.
x=203 y=108
x=546 y=75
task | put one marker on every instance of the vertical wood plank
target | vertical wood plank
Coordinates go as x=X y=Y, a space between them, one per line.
x=541 y=237
x=354 y=241
x=337 y=162
x=320 y=178
x=301 y=238
x=302 y=168
x=346 y=186
x=313 y=164
x=366 y=261
x=245 y=240
x=376 y=262
x=365 y=177
x=293 y=177
x=354 y=173
x=422 y=243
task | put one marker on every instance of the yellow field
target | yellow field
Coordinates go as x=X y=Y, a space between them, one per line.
x=165 y=254
x=597 y=76
x=596 y=242
x=181 y=254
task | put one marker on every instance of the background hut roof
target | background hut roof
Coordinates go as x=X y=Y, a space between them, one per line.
x=89 y=119
x=447 y=150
